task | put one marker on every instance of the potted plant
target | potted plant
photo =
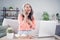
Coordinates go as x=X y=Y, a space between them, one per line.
x=45 y=16
x=57 y=15
x=10 y=7
x=10 y=32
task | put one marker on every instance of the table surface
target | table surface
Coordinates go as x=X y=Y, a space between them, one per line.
x=19 y=38
x=46 y=38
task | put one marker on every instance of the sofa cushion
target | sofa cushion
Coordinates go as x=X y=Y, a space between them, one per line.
x=11 y=22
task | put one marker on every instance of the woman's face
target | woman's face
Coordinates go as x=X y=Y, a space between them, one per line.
x=27 y=9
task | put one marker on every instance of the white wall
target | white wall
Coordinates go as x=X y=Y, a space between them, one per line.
x=51 y=6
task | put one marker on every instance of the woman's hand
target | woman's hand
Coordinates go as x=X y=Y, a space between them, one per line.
x=29 y=22
x=25 y=13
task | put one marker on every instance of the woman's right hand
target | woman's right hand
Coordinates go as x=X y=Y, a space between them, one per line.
x=25 y=16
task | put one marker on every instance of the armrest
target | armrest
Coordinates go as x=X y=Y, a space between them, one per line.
x=3 y=28
x=3 y=31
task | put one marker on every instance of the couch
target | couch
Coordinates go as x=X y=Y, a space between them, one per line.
x=40 y=28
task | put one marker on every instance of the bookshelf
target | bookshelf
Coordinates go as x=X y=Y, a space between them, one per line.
x=10 y=14
x=7 y=13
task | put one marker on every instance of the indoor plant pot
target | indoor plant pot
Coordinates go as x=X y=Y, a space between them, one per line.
x=10 y=33
x=45 y=16
x=10 y=8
